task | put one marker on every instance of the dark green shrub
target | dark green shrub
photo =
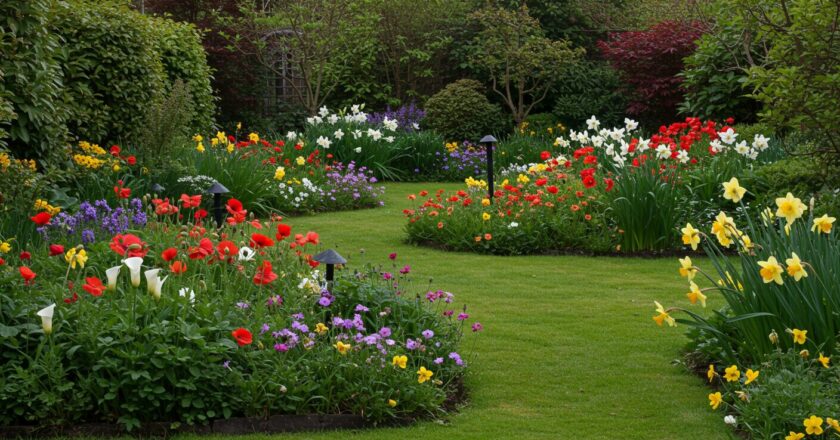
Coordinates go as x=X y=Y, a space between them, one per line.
x=184 y=59
x=32 y=114
x=112 y=72
x=462 y=111
x=167 y=126
x=589 y=88
x=802 y=176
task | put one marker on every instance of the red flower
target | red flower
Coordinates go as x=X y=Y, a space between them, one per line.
x=2 y=261
x=227 y=249
x=242 y=336
x=200 y=214
x=552 y=189
x=178 y=267
x=234 y=208
x=259 y=241
x=93 y=286
x=589 y=181
x=72 y=299
x=121 y=191
x=190 y=201
x=131 y=160
x=264 y=274
x=610 y=183
x=115 y=150
x=283 y=231
x=312 y=237
x=28 y=275
x=169 y=254
x=41 y=218
x=25 y=255
x=56 y=249
x=545 y=155
x=590 y=160
x=204 y=248
x=541 y=181
x=128 y=245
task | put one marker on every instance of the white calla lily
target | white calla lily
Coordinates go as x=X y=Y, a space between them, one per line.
x=112 y=275
x=134 y=264
x=46 y=315
x=187 y=292
x=154 y=282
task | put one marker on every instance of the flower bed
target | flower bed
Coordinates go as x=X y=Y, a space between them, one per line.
x=184 y=324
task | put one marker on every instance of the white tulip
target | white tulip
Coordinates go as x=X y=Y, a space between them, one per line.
x=154 y=282
x=112 y=275
x=46 y=315
x=134 y=264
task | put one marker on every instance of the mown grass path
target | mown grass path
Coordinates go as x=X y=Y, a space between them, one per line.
x=569 y=349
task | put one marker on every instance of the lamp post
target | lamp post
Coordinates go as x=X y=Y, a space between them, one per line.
x=217 y=190
x=330 y=258
x=489 y=142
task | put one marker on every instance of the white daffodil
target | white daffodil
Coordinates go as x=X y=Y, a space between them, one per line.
x=663 y=152
x=46 y=315
x=323 y=142
x=730 y=420
x=291 y=136
x=134 y=264
x=389 y=139
x=112 y=274
x=728 y=137
x=390 y=124
x=682 y=156
x=742 y=148
x=617 y=134
x=597 y=141
x=644 y=144
x=354 y=109
x=246 y=253
x=415 y=125
x=716 y=146
x=338 y=134
x=374 y=134
x=154 y=282
x=358 y=149
x=630 y=124
x=323 y=111
x=332 y=119
x=592 y=123
x=760 y=142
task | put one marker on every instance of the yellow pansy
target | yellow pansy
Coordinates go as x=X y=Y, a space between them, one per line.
x=715 y=400
x=342 y=347
x=485 y=216
x=799 y=336
x=794 y=436
x=695 y=294
x=751 y=376
x=823 y=224
x=5 y=247
x=771 y=271
x=663 y=316
x=400 y=361
x=687 y=269
x=795 y=268
x=732 y=374
x=691 y=236
x=832 y=423
x=813 y=425
x=824 y=360
x=733 y=191
x=423 y=374
x=790 y=207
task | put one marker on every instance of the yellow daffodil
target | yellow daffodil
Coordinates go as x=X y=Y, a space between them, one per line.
x=423 y=374
x=238 y=126
x=199 y=147
x=733 y=191
x=832 y=423
x=771 y=271
x=799 y=336
x=751 y=376
x=722 y=227
x=214 y=142
x=824 y=360
x=320 y=328
x=399 y=361
x=392 y=403
x=774 y=337
x=732 y=374
x=790 y=207
x=767 y=216
x=710 y=373
x=715 y=400
x=485 y=202
x=687 y=269
x=695 y=294
x=197 y=138
x=342 y=347
x=742 y=395
x=794 y=436
x=5 y=247
x=813 y=425
x=794 y=267
x=279 y=173
x=663 y=316
x=823 y=224
x=485 y=216
x=522 y=179
x=253 y=137
x=75 y=257
x=300 y=160
x=229 y=148
x=691 y=236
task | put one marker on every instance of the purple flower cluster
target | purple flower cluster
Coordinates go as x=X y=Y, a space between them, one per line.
x=92 y=220
x=465 y=161
x=408 y=116
x=351 y=187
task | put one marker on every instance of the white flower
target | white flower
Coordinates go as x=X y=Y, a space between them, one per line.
x=134 y=264
x=573 y=135
x=46 y=315
x=318 y=120
x=728 y=137
x=619 y=161
x=323 y=111
x=630 y=124
x=186 y=291
x=760 y=142
x=663 y=152
x=390 y=124
x=609 y=150
x=154 y=283
x=357 y=134
x=291 y=136
x=716 y=146
x=583 y=137
x=310 y=120
x=332 y=119
x=513 y=225
x=597 y=141
x=323 y=142
x=360 y=117
x=355 y=109
x=374 y=134
x=246 y=253
x=682 y=156
x=338 y=134
x=389 y=139
x=625 y=148
x=112 y=274
x=593 y=123
x=562 y=142
x=753 y=154
x=358 y=149
x=730 y=420
x=742 y=148
x=415 y=125
x=644 y=144
x=617 y=134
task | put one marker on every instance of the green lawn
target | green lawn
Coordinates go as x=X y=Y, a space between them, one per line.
x=569 y=348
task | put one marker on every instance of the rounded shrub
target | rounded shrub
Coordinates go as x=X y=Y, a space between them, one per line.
x=589 y=88
x=462 y=111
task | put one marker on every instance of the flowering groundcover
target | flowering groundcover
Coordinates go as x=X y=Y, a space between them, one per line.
x=183 y=323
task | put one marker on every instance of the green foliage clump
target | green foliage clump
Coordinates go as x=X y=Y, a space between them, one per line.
x=589 y=88
x=32 y=113
x=462 y=111
x=800 y=175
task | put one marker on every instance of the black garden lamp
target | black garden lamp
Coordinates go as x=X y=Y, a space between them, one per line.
x=330 y=258
x=157 y=189
x=217 y=190
x=489 y=142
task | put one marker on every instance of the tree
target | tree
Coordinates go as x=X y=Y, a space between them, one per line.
x=521 y=63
